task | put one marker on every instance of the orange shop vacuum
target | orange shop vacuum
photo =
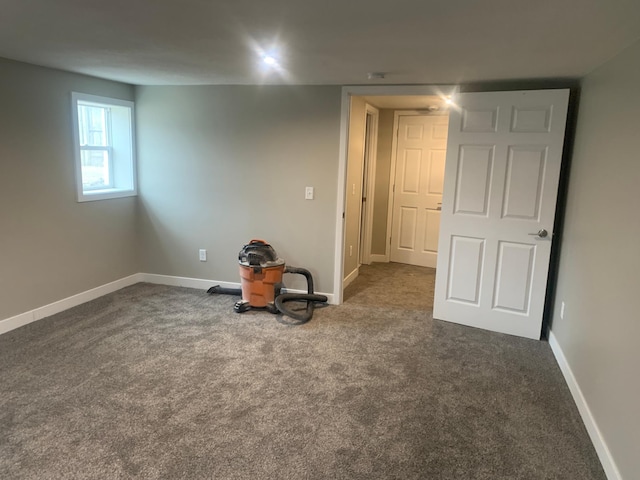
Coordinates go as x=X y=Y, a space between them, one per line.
x=261 y=272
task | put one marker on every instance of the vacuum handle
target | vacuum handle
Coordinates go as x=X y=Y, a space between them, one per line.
x=257 y=240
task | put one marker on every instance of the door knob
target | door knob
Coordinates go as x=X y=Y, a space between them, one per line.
x=542 y=233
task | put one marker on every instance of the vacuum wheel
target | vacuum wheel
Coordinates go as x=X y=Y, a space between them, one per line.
x=241 y=307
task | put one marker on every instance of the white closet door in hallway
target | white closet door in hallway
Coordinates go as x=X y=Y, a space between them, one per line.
x=417 y=188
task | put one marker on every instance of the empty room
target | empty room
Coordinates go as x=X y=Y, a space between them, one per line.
x=351 y=240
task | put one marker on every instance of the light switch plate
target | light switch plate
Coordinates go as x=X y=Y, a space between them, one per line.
x=308 y=193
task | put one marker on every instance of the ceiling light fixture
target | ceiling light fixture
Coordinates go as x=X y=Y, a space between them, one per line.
x=270 y=60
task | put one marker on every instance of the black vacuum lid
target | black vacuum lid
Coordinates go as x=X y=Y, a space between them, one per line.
x=259 y=253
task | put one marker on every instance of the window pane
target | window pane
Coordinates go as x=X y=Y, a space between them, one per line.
x=96 y=171
x=93 y=125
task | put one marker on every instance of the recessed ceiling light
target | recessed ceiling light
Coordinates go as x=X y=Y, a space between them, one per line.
x=270 y=60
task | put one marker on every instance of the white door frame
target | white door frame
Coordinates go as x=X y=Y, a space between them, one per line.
x=347 y=93
x=369 y=183
x=392 y=172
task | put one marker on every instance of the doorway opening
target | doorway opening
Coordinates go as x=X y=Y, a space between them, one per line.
x=394 y=169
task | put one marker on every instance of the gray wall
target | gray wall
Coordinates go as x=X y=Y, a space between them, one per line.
x=600 y=262
x=51 y=246
x=220 y=165
x=353 y=194
x=383 y=171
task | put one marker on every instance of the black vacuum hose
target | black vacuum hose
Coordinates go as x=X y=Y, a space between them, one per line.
x=309 y=297
x=225 y=291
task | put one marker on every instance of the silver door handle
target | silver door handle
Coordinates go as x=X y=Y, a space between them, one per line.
x=541 y=233
x=439 y=207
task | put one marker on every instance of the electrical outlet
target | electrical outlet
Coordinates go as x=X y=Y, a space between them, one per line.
x=562 y=310
x=308 y=193
x=351 y=250
x=203 y=255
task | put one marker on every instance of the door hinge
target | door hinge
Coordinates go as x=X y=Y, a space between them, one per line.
x=394 y=188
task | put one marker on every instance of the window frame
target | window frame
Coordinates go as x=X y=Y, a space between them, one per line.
x=125 y=164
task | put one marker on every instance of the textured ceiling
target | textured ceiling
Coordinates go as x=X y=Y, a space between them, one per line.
x=156 y=42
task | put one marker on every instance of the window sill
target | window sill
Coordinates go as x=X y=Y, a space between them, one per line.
x=93 y=195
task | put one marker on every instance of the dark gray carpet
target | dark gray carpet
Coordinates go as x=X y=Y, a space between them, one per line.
x=163 y=382
x=393 y=285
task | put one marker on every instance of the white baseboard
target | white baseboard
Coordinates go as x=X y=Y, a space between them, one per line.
x=295 y=290
x=200 y=283
x=39 y=313
x=379 y=258
x=17 y=321
x=206 y=284
x=350 y=278
x=608 y=464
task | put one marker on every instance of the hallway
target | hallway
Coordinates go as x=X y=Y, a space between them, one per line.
x=393 y=285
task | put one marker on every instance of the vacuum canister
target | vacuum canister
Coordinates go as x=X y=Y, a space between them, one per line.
x=260 y=272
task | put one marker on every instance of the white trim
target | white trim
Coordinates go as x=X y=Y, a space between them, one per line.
x=113 y=191
x=364 y=90
x=17 y=321
x=348 y=280
x=173 y=281
x=369 y=177
x=39 y=313
x=204 y=284
x=295 y=290
x=606 y=459
x=377 y=258
x=392 y=181
x=338 y=263
x=107 y=194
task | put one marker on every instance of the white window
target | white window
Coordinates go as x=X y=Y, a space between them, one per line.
x=104 y=147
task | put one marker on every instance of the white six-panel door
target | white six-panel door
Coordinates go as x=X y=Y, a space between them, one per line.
x=417 y=195
x=500 y=190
